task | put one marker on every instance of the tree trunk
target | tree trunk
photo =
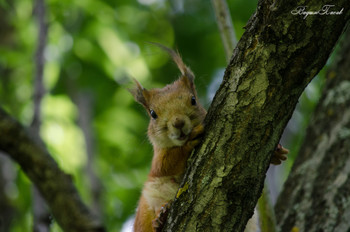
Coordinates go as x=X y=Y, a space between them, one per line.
x=276 y=58
x=316 y=196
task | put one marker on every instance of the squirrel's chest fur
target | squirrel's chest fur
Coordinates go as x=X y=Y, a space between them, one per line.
x=168 y=166
x=159 y=190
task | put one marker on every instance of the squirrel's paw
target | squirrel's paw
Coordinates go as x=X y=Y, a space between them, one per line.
x=195 y=136
x=279 y=155
x=197 y=132
x=159 y=222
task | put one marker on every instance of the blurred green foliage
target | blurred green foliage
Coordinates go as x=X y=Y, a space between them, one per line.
x=93 y=49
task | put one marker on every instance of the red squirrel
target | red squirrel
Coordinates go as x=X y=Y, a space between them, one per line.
x=176 y=123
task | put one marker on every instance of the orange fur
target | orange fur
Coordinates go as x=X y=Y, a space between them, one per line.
x=144 y=217
x=175 y=125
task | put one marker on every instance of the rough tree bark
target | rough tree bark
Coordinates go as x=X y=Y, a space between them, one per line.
x=55 y=186
x=223 y=18
x=275 y=59
x=318 y=187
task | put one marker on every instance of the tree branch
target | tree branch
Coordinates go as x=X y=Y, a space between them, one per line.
x=55 y=186
x=275 y=59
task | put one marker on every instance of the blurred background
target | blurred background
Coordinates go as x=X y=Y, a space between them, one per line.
x=90 y=122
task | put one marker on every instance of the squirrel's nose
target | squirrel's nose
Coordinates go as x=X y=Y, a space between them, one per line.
x=179 y=123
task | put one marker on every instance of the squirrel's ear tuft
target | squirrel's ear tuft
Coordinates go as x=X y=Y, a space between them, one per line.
x=185 y=71
x=175 y=55
x=139 y=93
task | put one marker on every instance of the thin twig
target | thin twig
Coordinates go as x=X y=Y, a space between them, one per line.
x=41 y=215
x=227 y=32
x=84 y=101
x=39 y=90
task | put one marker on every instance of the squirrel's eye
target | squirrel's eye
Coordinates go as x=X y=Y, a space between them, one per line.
x=153 y=114
x=193 y=101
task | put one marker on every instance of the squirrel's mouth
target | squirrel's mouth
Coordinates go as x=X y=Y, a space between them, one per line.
x=182 y=137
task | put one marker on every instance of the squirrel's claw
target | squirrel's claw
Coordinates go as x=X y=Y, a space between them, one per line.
x=159 y=222
x=279 y=155
x=195 y=137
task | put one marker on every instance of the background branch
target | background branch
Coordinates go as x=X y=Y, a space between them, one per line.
x=85 y=102
x=55 y=186
x=224 y=21
x=41 y=215
x=318 y=184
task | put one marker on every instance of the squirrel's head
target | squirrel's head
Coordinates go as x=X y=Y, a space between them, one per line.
x=174 y=110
